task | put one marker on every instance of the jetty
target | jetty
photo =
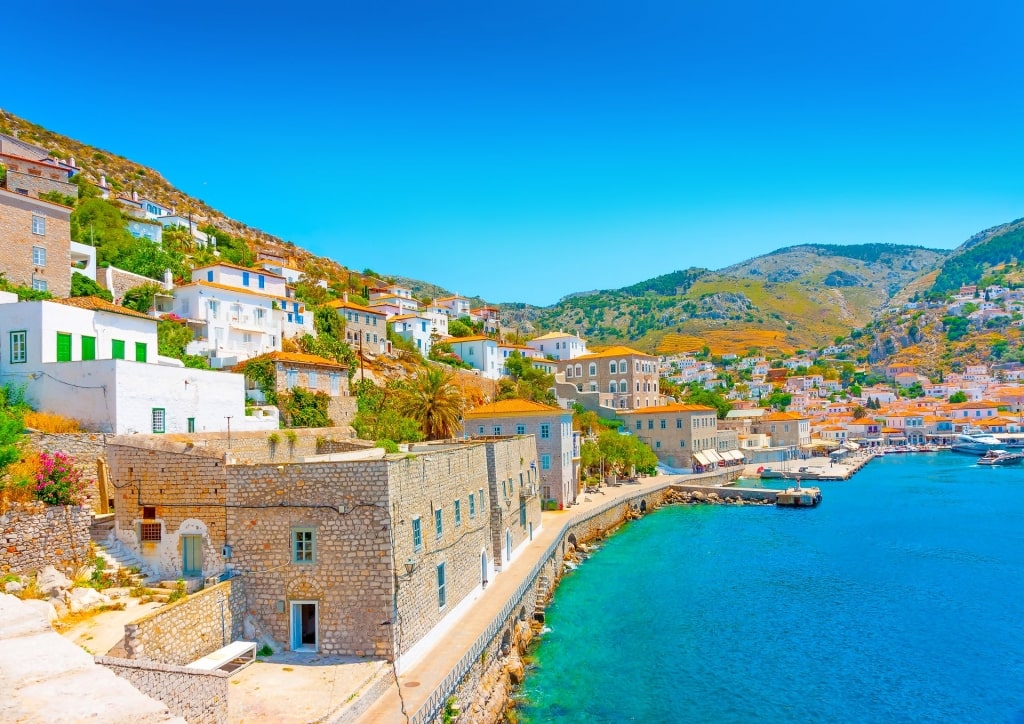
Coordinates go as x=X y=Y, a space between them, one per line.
x=817 y=468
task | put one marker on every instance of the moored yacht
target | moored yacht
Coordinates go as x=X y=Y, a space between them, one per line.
x=975 y=442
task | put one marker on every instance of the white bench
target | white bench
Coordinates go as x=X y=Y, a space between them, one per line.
x=239 y=653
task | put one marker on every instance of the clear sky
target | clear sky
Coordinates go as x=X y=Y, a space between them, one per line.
x=525 y=150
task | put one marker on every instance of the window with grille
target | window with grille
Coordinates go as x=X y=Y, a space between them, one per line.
x=150 y=532
x=159 y=420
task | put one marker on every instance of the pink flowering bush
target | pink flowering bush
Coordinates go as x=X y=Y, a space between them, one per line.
x=58 y=481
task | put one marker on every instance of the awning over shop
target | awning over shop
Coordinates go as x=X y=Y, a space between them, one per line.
x=699 y=457
x=713 y=456
x=851 y=445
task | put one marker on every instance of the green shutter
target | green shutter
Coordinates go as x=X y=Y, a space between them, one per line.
x=117 y=349
x=88 y=347
x=63 y=347
x=140 y=351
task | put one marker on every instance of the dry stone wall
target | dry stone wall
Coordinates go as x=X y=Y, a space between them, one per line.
x=200 y=697
x=258 y=447
x=37 y=535
x=186 y=630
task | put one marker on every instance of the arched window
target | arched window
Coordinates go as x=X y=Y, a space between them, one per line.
x=622 y=367
x=568 y=372
x=612 y=387
x=579 y=370
x=623 y=386
x=593 y=369
x=612 y=368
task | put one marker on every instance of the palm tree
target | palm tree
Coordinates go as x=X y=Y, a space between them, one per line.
x=432 y=400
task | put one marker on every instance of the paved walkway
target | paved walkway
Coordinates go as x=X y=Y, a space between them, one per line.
x=105 y=630
x=419 y=682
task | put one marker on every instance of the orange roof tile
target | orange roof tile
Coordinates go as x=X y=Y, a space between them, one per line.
x=342 y=304
x=673 y=407
x=295 y=357
x=617 y=351
x=96 y=304
x=514 y=407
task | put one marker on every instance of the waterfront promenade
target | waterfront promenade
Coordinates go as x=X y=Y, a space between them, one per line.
x=419 y=681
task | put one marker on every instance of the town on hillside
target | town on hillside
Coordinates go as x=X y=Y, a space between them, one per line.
x=354 y=461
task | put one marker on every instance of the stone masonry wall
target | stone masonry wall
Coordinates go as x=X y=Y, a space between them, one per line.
x=84 y=447
x=200 y=697
x=345 y=505
x=512 y=466
x=186 y=630
x=36 y=184
x=255 y=446
x=421 y=485
x=184 y=484
x=17 y=262
x=118 y=281
x=36 y=535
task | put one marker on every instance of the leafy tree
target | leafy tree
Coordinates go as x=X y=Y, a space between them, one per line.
x=778 y=400
x=12 y=424
x=958 y=396
x=172 y=336
x=434 y=402
x=303 y=408
x=150 y=259
x=697 y=395
x=859 y=412
x=377 y=414
x=100 y=223
x=956 y=327
x=25 y=294
x=620 y=454
x=329 y=341
x=914 y=391
x=141 y=298
x=83 y=286
x=456 y=328
x=526 y=382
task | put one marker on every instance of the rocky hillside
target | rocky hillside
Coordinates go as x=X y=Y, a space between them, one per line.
x=801 y=296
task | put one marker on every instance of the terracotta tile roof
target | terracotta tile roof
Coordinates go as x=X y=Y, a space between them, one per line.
x=674 y=407
x=295 y=357
x=514 y=407
x=96 y=304
x=225 y=287
x=473 y=338
x=981 y=404
x=552 y=335
x=864 y=421
x=617 y=351
x=784 y=416
x=342 y=304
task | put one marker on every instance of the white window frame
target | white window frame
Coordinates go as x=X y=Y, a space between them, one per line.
x=38 y=225
x=38 y=256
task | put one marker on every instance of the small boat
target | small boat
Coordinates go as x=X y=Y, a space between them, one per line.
x=1001 y=457
x=798 y=497
x=767 y=473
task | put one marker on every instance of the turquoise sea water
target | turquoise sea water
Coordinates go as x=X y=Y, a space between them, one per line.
x=899 y=599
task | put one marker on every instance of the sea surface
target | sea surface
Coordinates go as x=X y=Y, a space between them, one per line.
x=899 y=599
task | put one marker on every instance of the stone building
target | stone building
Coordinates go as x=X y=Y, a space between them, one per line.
x=676 y=433
x=365 y=328
x=628 y=377
x=557 y=447
x=354 y=553
x=308 y=371
x=36 y=237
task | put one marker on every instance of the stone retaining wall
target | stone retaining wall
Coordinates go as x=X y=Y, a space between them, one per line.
x=37 y=535
x=84 y=447
x=201 y=697
x=190 y=628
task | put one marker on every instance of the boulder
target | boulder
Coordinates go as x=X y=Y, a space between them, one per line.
x=86 y=599
x=45 y=608
x=52 y=582
x=14 y=587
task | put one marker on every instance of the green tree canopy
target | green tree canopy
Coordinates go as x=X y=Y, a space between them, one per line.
x=83 y=286
x=697 y=395
x=378 y=416
x=434 y=402
x=621 y=454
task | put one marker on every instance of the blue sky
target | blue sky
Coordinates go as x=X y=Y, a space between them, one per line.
x=522 y=151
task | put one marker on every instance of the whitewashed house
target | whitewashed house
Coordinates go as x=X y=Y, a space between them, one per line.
x=559 y=345
x=417 y=328
x=481 y=353
x=238 y=313
x=96 y=362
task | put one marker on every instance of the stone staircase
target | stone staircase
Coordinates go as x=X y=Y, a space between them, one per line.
x=115 y=554
x=541 y=600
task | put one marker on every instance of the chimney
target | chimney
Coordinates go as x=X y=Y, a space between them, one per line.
x=168 y=279
x=72 y=162
x=135 y=195
x=103 y=182
x=344 y=296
